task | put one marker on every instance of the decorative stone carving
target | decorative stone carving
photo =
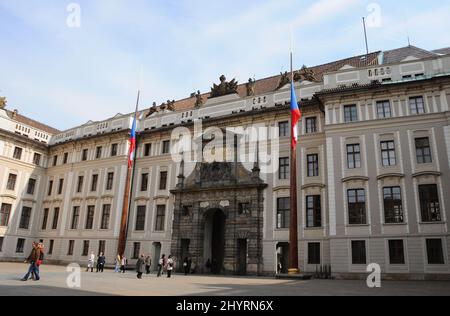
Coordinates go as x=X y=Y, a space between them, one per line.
x=171 y=105
x=216 y=172
x=251 y=87
x=152 y=110
x=224 y=88
x=2 y=102
x=198 y=99
x=305 y=74
x=204 y=204
x=284 y=80
x=225 y=203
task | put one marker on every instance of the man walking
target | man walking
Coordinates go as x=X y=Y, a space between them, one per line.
x=101 y=262
x=140 y=266
x=33 y=259
x=170 y=265
x=161 y=265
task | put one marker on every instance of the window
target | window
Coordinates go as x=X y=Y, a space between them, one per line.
x=416 y=105
x=75 y=217
x=101 y=247
x=187 y=210
x=136 y=250
x=359 y=252
x=31 y=186
x=144 y=182
x=350 y=113
x=356 y=207
x=55 y=218
x=50 y=247
x=313 y=211
x=114 y=148
x=284 y=172
x=435 y=252
x=423 y=150
x=66 y=158
x=110 y=181
x=393 y=208
x=314 y=253
x=1 y=243
x=106 y=214
x=140 y=218
x=353 y=156
x=311 y=125
x=163 y=180
x=37 y=159
x=5 y=213
x=244 y=208
x=396 y=252
x=98 y=152
x=45 y=219
x=50 y=188
x=147 y=150
x=25 y=218
x=90 y=217
x=80 y=184
x=429 y=203
x=313 y=165
x=388 y=153
x=85 y=252
x=160 y=217
x=283 y=213
x=11 y=185
x=55 y=160
x=17 y=153
x=94 y=183
x=84 y=155
x=384 y=109
x=60 y=186
x=71 y=246
x=283 y=128
x=20 y=245
x=166 y=147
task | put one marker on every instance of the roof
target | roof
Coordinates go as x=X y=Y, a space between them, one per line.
x=442 y=51
x=270 y=84
x=400 y=54
x=30 y=122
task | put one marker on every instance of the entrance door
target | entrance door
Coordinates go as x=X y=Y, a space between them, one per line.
x=214 y=243
x=242 y=257
x=156 y=255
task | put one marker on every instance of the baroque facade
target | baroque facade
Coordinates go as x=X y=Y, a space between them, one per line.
x=373 y=175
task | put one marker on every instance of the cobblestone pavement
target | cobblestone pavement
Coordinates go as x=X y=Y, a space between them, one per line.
x=53 y=282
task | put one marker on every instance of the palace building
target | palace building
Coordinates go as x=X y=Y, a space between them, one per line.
x=373 y=176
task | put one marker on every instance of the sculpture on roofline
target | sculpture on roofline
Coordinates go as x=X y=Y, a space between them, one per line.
x=2 y=102
x=198 y=99
x=224 y=88
x=251 y=87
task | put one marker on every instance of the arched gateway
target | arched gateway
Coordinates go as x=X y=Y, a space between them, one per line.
x=218 y=217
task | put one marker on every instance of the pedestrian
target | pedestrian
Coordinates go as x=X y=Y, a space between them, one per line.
x=101 y=262
x=91 y=262
x=140 y=266
x=170 y=266
x=117 y=264
x=161 y=265
x=186 y=266
x=148 y=264
x=208 y=266
x=33 y=259
x=190 y=265
x=193 y=268
x=123 y=263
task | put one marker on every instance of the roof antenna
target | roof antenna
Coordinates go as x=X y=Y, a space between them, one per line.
x=365 y=35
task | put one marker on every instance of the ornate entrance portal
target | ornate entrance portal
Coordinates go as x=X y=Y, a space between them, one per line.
x=219 y=214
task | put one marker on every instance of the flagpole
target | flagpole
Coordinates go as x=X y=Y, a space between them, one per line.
x=293 y=230
x=126 y=198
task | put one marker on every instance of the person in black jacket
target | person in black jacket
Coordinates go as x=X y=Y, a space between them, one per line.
x=101 y=262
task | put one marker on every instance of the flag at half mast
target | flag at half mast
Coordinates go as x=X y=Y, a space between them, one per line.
x=296 y=115
x=132 y=142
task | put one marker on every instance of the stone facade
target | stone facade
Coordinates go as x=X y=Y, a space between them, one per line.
x=371 y=124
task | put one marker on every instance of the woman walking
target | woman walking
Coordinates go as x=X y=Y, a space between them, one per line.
x=140 y=266
x=91 y=261
x=148 y=264
x=117 y=264
x=170 y=265
x=123 y=263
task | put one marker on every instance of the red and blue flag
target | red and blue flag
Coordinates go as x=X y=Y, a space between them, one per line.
x=296 y=116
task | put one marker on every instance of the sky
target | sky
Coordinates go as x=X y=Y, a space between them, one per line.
x=64 y=73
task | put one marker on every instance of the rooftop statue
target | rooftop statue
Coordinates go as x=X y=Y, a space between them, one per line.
x=2 y=102
x=198 y=99
x=305 y=73
x=224 y=88
x=251 y=87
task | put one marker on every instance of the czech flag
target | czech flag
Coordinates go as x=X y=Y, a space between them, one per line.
x=132 y=144
x=296 y=116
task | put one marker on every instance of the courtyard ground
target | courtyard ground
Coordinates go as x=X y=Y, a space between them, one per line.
x=54 y=283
